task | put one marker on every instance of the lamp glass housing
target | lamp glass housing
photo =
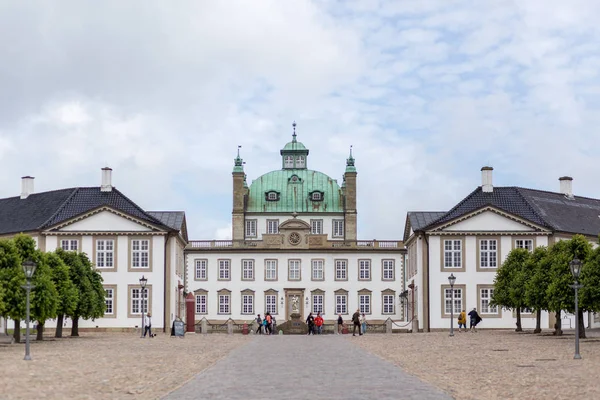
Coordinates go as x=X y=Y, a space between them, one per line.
x=29 y=268
x=451 y=279
x=575 y=266
x=143 y=281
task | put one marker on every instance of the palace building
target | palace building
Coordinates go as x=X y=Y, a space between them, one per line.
x=294 y=249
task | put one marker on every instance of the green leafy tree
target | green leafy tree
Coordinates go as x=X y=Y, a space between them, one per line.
x=68 y=295
x=12 y=279
x=538 y=266
x=589 y=294
x=509 y=283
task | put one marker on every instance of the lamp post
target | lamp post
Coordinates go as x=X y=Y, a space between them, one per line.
x=451 y=280
x=29 y=268
x=575 y=266
x=143 y=282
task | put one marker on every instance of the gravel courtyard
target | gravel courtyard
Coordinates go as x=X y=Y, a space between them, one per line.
x=495 y=364
x=108 y=365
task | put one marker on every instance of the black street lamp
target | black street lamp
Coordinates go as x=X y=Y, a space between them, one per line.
x=29 y=269
x=143 y=282
x=451 y=280
x=575 y=266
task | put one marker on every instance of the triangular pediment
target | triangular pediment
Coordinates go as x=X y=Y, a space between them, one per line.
x=104 y=219
x=295 y=224
x=489 y=219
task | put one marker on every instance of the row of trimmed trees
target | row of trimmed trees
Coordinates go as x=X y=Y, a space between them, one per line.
x=540 y=280
x=66 y=285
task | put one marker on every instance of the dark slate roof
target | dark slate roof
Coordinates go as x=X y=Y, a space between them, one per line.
x=419 y=220
x=173 y=219
x=43 y=210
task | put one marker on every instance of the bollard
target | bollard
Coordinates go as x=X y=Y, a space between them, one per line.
x=230 y=327
x=204 y=326
x=388 y=326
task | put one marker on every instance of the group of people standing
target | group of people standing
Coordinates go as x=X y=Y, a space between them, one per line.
x=474 y=319
x=315 y=325
x=266 y=325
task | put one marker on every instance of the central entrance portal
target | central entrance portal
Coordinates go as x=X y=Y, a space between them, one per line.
x=294 y=304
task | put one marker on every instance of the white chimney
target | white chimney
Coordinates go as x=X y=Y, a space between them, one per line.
x=26 y=186
x=566 y=186
x=486 y=179
x=106 y=180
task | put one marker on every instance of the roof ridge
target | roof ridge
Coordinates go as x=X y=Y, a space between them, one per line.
x=557 y=193
x=37 y=193
x=62 y=206
x=454 y=208
x=531 y=206
x=142 y=210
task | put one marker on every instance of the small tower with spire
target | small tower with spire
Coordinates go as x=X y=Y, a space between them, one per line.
x=240 y=189
x=349 y=189
x=294 y=155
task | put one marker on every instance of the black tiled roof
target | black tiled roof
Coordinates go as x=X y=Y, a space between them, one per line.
x=172 y=219
x=43 y=210
x=419 y=220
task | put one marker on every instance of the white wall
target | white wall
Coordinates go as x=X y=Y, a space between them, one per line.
x=488 y=221
x=261 y=226
x=105 y=221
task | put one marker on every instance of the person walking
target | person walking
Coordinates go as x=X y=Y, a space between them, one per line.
x=148 y=325
x=269 y=326
x=310 y=321
x=356 y=322
x=259 y=322
x=363 y=323
x=340 y=324
x=462 y=320
x=474 y=320
x=319 y=323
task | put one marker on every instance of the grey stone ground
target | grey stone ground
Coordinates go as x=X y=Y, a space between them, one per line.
x=305 y=367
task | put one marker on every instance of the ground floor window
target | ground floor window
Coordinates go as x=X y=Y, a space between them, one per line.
x=224 y=306
x=271 y=303
x=388 y=304
x=247 y=304
x=201 y=304
x=109 y=300
x=365 y=303
x=341 y=304
x=317 y=303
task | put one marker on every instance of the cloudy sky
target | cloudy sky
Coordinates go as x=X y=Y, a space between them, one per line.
x=427 y=92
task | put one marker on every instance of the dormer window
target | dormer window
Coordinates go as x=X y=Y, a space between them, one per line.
x=289 y=162
x=272 y=196
x=316 y=196
x=300 y=162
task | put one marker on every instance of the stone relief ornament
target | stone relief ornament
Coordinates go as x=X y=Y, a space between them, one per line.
x=295 y=304
x=294 y=238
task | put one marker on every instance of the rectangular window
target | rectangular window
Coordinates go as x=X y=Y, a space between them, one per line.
x=388 y=270
x=250 y=228
x=458 y=303
x=341 y=304
x=452 y=254
x=105 y=253
x=224 y=304
x=247 y=304
x=201 y=304
x=224 y=270
x=365 y=303
x=109 y=300
x=201 y=267
x=316 y=226
x=300 y=162
x=317 y=270
x=270 y=270
x=140 y=253
x=485 y=296
x=388 y=304
x=317 y=303
x=272 y=226
x=294 y=270
x=69 y=244
x=364 y=270
x=271 y=304
x=338 y=228
x=289 y=162
x=136 y=301
x=524 y=244
x=341 y=270
x=247 y=270
x=488 y=253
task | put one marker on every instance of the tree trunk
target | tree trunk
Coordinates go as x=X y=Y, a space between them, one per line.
x=75 y=327
x=59 y=326
x=581 y=324
x=17 y=332
x=558 y=325
x=519 y=328
x=40 y=331
x=538 y=321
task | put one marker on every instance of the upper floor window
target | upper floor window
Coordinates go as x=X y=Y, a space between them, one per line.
x=247 y=270
x=300 y=162
x=69 y=244
x=270 y=270
x=316 y=196
x=316 y=226
x=225 y=270
x=140 y=253
x=201 y=269
x=364 y=269
x=288 y=162
x=341 y=270
x=272 y=226
x=488 y=253
x=317 y=270
x=338 y=228
x=524 y=244
x=105 y=253
x=453 y=253
x=387 y=270
x=294 y=270
x=272 y=196
x=250 y=228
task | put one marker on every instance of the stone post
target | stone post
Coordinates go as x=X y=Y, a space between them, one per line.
x=190 y=313
x=204 y=326
x=388 y=326
x=230 y=326
x=415 y=326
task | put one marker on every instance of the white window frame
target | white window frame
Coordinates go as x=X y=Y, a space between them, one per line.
x=338 y=228
x=140 y=253
x=270 y=270
x=488 y=253
x=247 y=304
x=316 y=226
x=453 y=253
x=248 y=270
x=294 y=269
x=69 y=244
x=300 y=161
x=224 y=270
x=272 y=226
x=318 y=270
x=341 y=304
x=272 y=196
x=341 y=270
x=105 y=253
x=201 y=269
x=389 y=304
x=364 y=270
x=136 y=297
x=271 y=304
x=317 y=304
x=288 y=161
x=250 y=229
x=201 y=304
x=224 y=304
x=109 y=299
x=388 y=270
x=316 y=196
x=484 y=301
x=524 y=244
x=364 y=303
x=458 y=301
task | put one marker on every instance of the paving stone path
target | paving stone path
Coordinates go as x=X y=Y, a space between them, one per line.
x=301 y=367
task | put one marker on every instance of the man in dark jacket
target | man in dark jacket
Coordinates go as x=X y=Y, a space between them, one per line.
x=356 y=323
x=474 y=319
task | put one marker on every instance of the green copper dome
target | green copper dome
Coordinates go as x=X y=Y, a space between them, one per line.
x=294 y=190
x=293 y=145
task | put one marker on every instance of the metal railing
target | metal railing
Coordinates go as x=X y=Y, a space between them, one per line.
x=332 y=244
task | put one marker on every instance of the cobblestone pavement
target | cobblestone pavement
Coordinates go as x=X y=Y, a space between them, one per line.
x=301 y=367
